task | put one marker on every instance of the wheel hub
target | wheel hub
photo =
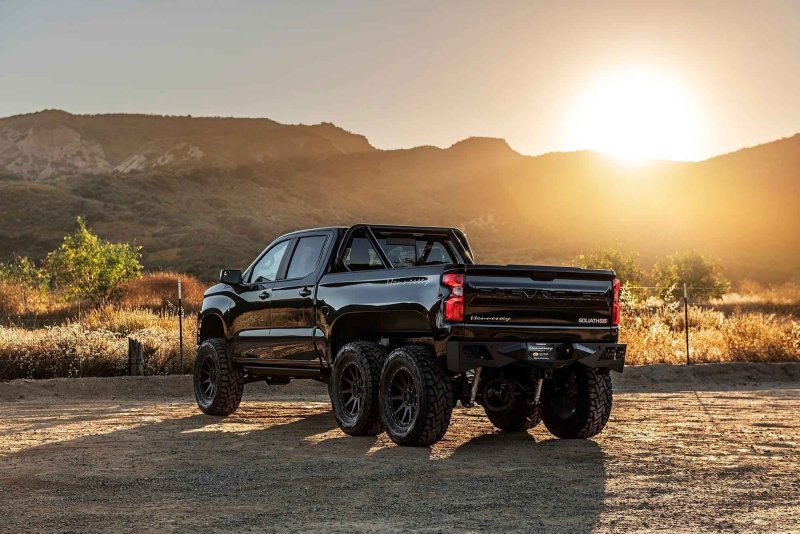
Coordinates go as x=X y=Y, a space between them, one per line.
x=353 y=390
x=565 y=395
x=402 y=401
x=207 y=383
x=498 y=394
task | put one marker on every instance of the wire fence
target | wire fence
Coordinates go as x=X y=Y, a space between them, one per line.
x=697 y=325
x=685 y=302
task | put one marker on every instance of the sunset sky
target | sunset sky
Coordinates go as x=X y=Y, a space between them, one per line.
x=675 y=80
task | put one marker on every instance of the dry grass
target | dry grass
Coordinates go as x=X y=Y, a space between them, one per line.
x=158 y=290
x=70 y=350
x=755 y=324
x=18 y=305
x=54 y=338
x=96 y=346
x=655 y=333
x=155 y=291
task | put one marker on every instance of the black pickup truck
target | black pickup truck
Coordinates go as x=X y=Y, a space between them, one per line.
x=402 y=324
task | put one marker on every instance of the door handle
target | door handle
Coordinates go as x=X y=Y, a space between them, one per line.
x=263 y=295
x=305 y=292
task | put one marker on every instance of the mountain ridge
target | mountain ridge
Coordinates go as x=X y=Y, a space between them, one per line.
x=200 y=193
x=31 y=144
x=54 y=112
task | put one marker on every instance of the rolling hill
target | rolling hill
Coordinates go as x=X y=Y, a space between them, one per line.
x=201 y=193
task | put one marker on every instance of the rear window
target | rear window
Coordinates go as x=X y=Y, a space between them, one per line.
x=413 y=249
x=413 y=252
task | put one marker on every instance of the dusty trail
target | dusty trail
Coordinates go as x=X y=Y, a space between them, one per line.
x=724 y=460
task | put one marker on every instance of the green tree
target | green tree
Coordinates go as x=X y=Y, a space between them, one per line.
x=26 y=277
x=702 y=275
x=86 y=266
x=624 y=263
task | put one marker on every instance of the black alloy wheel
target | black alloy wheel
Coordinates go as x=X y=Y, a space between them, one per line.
x=206 y=387
x=507 y=409
x=352 y=391
x=403 y=400
x=353 y=388
x=563 y=398
x=416 y=399
x=218 y=382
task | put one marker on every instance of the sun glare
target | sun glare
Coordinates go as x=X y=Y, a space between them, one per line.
x=634 y=115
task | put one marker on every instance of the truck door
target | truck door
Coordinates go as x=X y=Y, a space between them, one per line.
x=292 y=313
x=251 y=337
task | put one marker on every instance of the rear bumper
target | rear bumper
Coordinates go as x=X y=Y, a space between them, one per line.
x=465 y=355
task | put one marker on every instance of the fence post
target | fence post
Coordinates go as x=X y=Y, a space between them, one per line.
x=686 y=317
x=180 y=326
x=135 y=358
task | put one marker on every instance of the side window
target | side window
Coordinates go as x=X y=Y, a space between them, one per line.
x=306 y=256
x=266 y=270
x=360 y=255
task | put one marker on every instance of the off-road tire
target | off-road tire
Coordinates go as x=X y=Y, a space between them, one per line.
x=592 y=402
x=521 y=416
x=367 y=359
x=228 y=381
x=432 y=402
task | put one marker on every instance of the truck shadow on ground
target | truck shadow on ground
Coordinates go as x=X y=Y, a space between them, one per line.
x=509 y=479
x=293 y=469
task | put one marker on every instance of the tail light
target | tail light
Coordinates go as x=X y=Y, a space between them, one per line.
x=615 y=311
x=454 y=303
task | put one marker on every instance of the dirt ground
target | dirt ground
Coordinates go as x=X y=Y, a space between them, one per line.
x=687 y=457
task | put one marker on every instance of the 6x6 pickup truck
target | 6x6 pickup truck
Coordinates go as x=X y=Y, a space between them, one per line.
x=402 y=324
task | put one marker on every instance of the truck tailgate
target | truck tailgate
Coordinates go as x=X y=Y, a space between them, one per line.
x=537 y=296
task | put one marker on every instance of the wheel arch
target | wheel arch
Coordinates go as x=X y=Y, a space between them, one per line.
x=374 y=325
x=211 y=325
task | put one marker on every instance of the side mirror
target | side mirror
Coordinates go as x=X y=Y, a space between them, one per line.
x=232 y=277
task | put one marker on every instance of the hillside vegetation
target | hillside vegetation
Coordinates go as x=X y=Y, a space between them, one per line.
x=202 y=193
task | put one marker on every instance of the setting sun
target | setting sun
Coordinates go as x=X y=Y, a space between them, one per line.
x=634 y=115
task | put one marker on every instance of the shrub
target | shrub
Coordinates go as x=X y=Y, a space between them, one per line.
x=702 y=275
x=25 y=280
x=624 y=263
x=86 y=266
